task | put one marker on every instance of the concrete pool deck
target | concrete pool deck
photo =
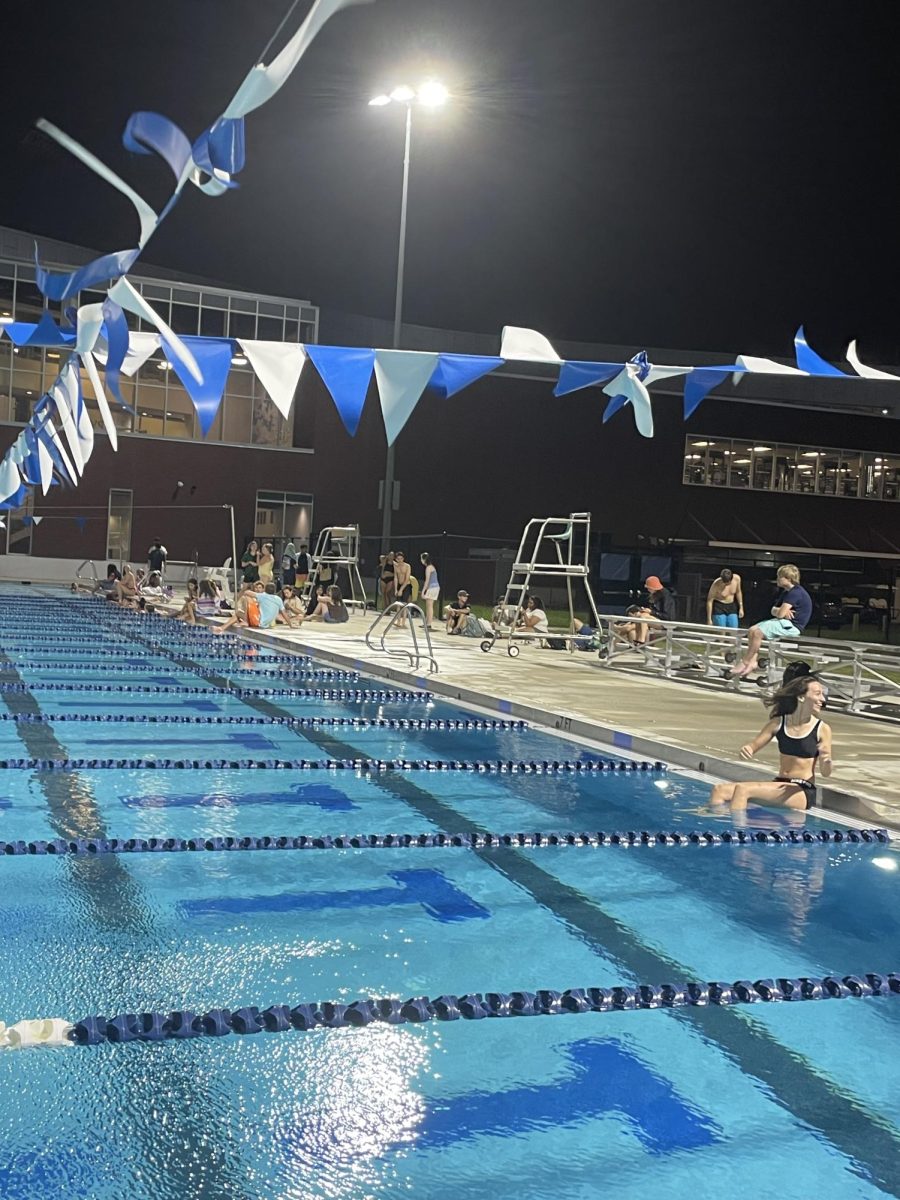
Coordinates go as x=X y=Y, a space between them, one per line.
x=689 y=726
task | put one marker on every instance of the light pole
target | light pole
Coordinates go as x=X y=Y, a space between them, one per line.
x=430 y=94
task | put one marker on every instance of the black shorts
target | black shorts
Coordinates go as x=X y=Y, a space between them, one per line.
x=810 y=791
x=406 y=594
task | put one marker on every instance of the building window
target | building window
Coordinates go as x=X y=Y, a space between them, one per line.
x=282 y=517
x=805 y=470
x=118 y=528
x=19 y=527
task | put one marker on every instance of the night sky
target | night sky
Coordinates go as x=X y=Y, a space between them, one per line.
x=699 y=174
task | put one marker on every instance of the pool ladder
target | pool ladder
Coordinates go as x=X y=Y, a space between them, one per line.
x=393 y=614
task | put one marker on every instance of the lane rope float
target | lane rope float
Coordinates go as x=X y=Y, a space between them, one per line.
x=290 y=722
x=368 y=765
x=467 y=841
x=474 y=1006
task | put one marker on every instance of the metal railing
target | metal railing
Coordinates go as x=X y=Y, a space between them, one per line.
x=391 y=617
x=863 y=678
x=88 y=562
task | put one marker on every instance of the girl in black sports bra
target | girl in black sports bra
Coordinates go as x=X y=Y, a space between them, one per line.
x=803 y=740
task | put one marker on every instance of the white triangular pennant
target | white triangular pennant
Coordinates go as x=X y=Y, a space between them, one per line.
x=140 y=347
x=860 y=367
x=277 y=366
x=125 y=295
x=59 y=395
x=100 y=395
x=402 y=378
x=36 y=520
x=10 y=479
x=526 y=345
x=46 y=463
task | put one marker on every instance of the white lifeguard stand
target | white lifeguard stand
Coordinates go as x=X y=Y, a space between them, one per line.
x=552 y=548
x=337 y=546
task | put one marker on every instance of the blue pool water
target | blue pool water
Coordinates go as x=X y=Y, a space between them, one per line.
x=792 y=1098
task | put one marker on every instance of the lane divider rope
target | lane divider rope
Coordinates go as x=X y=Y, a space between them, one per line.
x=326 y=675
x=364 y=695
x=368 y=765
x=290 y=722
x=467 y=841
x=474 y=1006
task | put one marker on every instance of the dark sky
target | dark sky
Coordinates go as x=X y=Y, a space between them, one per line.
x=689 y=173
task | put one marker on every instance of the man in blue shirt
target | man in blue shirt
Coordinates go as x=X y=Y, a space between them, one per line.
x=271 y=608
x=790 y=616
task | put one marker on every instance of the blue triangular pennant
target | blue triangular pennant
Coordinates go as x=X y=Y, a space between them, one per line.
x=808 y=360
x=456 y=371
x=346 y=372
x=213 y=357
x=699 y=383
x=81 y=522
x=576 y=375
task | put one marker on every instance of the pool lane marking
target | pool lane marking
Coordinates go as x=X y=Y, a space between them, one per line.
x=113 y=895
x=792 y=1082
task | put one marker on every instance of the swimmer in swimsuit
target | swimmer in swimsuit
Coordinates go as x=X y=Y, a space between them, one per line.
x=803 y=739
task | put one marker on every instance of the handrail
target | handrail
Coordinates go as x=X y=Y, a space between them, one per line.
x=863 y=678
x=398 y=611
x=93 y=569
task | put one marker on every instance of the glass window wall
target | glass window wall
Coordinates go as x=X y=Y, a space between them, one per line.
x=806 y=470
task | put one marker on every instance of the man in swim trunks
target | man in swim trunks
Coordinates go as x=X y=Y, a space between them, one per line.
x=790 y=616
x=725 y=600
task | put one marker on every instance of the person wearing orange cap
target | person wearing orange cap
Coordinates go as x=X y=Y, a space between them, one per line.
x=662 y=602
x=659 y=606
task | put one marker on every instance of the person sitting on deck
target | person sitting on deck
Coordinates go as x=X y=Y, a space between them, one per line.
x=239 y=616
x=791 y=613
x=330 y=609
x=126 y=590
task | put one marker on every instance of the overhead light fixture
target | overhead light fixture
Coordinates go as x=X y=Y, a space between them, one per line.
x=433 y=94
x=699 y=445
x=403 y=94
x=6 y=319
x=379 y=101
x=761 y=449
x=740 y=462
x=52 y=354
x=811 y=454
x=29 y=393
x=885 y=411
x=239 y=360
x=164 y=366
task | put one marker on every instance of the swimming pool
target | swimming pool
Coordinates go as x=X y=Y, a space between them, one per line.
x=786 y=1096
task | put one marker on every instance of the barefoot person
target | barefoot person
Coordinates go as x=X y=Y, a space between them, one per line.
x=725 y=600
x=790 y=616
x=803 y=739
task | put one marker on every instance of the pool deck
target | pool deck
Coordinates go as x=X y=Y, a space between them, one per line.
x=687 y=725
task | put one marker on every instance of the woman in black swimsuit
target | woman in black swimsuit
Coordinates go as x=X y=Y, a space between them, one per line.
x=387 y=579
x=802 y=737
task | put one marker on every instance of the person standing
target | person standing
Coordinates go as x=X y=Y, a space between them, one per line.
x=725 y=600
x=302 y=567
x=156 y=557
x=791 y=613
x=249 y=561
x=265 y=565
x=387 y=579
x=288 y=564
x=431 y=588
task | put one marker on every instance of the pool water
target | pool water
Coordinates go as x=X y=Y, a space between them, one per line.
x=787 y=1097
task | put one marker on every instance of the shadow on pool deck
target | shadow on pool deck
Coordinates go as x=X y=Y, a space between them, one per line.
x=689 y=726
